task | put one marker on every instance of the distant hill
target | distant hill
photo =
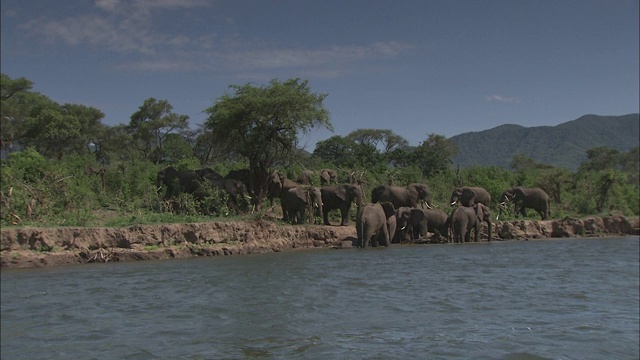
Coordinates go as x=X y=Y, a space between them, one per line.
x=564 y=145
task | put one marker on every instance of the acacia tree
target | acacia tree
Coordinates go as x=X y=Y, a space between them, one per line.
x=262 y=124
x=151 y=124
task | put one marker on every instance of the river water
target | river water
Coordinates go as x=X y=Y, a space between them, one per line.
x=542 y=299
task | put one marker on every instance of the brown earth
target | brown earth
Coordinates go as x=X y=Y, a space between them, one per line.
x=28 y=247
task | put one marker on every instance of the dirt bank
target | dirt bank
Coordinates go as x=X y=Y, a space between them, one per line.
x=36 y=247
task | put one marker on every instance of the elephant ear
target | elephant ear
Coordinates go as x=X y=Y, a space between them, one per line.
x=388 y=208
x=487 y=213
x=483 y=212
x=417 y=215
x=341 y=193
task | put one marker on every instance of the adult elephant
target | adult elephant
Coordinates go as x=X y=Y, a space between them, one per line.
x=467 y=196
x=274 y=186
x=399 y=196
x=523 y=198
x=301 y=199
x=243 y=175
x=414 y=223
x=373 y=224
x=466 y=218
x=238 y=197
x=278 y=185
x=209 y=174
x=463 y=220
x=179 y=181
x=328 y=176
x=306 y=177
x=437 y=223
x=340 y=197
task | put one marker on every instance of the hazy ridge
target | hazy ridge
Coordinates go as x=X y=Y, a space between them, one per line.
x=563 y=145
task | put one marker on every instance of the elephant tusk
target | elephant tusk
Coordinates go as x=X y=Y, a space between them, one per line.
x=429 y=206
x=402 y=228
x=453 y=203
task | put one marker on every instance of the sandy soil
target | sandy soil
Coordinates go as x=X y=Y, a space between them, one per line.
x=28 y=247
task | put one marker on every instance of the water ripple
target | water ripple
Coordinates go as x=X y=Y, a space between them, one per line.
x=561 y=299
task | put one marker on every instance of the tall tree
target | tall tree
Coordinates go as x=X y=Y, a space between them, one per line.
x=382 y=139
x=336 y=150
x=151 y=124
x=434 y=155
x=262 y=124
x=10 y=87
x=17 y=104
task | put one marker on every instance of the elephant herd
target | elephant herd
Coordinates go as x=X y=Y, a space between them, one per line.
x=201 y=182
x=395 y=214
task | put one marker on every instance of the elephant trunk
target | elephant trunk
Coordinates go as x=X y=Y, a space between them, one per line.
x=310 y=204
x=319 y=206
x=490 y=230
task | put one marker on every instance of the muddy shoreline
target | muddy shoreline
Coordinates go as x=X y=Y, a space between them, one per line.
x=31 y=247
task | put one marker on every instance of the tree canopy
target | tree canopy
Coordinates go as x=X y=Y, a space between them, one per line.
x=262 y=123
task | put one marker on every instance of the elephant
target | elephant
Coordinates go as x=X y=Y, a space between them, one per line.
x=178 y=181
x=328 y=176
x=285 y=185
x=278 y=185
x=191 y=182
x=243 y=175
x=306 y=177
x=238 y=197
x=274 y=187
x=467 y=196
x=299 y=199
x=399 y=196
x=463 y=220
x=208 y=173
x=373 y=225
x=522 y=198
x=437 y=223
x=414 y=223
x=466 y=218
x=340 y=197
x=410 y=224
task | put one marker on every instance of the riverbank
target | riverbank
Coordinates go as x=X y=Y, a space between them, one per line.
x=29 y=247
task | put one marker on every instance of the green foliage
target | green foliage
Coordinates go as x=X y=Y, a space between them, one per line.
x=433 y=156
x=151 y=128
x=27 y=165
x=57 y=179
x=262 y=124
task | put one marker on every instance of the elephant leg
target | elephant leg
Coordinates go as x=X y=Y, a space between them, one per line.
x=385 y=236
x=345 y=216
x=325 y=216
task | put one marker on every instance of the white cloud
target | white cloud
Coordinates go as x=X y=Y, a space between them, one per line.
x=129 y=27
x=502 y=99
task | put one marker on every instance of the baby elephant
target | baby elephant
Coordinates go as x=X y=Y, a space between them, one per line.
x=376 y=223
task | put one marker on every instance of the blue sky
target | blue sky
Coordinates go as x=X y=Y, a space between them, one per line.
x=415 y=67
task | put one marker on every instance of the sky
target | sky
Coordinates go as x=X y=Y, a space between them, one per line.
x=416 y=67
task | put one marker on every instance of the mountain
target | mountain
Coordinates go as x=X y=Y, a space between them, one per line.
x=564 y=145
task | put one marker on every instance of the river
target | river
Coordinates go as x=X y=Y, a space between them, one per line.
x=539 y=299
